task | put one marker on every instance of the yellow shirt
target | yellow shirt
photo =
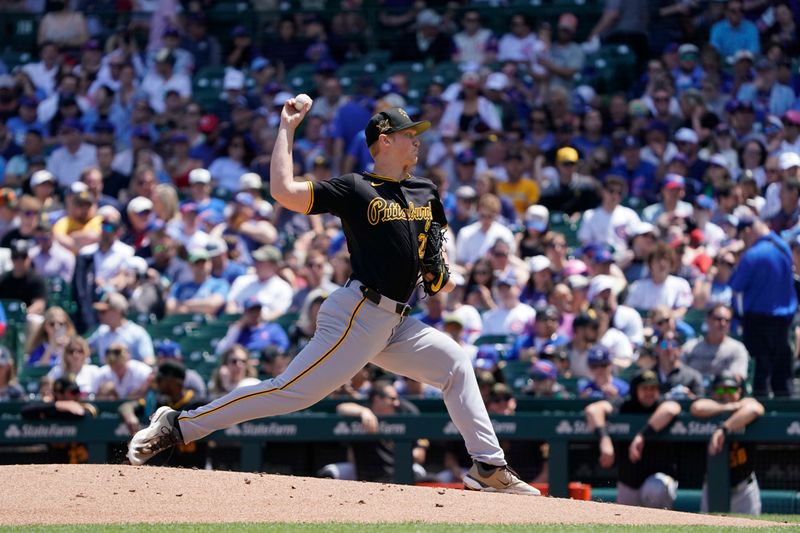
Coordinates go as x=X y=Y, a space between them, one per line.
x=521 y=194
x=67 y=225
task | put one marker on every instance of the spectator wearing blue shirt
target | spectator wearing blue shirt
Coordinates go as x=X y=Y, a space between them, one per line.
x=640 y=175
x=766 y=94
x=203 y=294
x=763 y=286
x=735 y=33
x=252 y=332
x=26 y=120
x=603 y=385
x=545 y=333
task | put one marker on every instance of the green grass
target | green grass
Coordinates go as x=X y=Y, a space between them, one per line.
x=388 y=528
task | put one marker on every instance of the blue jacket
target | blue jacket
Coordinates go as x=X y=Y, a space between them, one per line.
x=764 y=280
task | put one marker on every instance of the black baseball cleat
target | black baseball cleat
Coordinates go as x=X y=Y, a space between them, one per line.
x=497 y=479
x=162 y=433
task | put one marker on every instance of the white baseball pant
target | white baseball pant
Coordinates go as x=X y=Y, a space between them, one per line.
x=351 y=332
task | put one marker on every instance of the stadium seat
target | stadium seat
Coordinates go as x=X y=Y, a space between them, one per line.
x=301 y=76
x=15 y=336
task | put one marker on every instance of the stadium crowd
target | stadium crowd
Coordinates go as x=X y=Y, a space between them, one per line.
x=592 y=235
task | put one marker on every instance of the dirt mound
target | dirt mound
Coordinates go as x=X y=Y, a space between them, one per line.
x=83 y=494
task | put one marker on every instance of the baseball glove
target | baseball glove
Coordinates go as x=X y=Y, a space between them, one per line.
x=433 y=262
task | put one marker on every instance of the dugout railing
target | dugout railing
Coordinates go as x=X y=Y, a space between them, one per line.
x=558 y=429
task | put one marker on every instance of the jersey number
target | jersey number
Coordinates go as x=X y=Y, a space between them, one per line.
x=423 y=240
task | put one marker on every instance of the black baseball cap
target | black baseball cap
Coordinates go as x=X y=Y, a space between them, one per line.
x=391 y=121
x=171 y=368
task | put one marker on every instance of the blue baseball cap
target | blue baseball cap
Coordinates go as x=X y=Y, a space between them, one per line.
x=467 y=157
x=168 y=348
x=603 y=256
x=487 y=357
x=252 y=303
x=72 y=124
x=259 y=63
x=704 y=202
x=598 y=355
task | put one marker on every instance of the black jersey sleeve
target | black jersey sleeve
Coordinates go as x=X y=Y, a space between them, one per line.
x=331 y=196
x=437 y=210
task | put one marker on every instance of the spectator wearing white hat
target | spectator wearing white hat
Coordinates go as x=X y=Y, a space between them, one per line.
x=536 y=222
x=200 y=192
x=610 y=223
x=688 y=142
x=274 y=293
x=605 y=290
x=642 y=240
x=116 y=328
x=140 y=214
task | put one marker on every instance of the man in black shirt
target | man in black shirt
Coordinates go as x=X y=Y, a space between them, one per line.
x=22 y=282
x=726 y=397
x=646 y=470
x=386 y=215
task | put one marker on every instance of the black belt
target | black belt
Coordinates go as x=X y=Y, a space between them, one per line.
x=382 y=301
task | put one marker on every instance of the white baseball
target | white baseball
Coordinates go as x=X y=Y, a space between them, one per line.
x=301 y=100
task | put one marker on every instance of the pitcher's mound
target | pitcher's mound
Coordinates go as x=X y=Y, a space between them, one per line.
x=108 y=494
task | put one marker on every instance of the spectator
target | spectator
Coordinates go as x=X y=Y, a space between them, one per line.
x=540 y=282
x=510 y=315
x=646 y=470
x=789 y=214
x=713 y=288
x=474 y=44
x=764 y=280
x=235 y=370
x=565 y=57
x=470 y=113
x=610 y=223
x=603 y=384
x=23 y=283
x=303 y=329
x=520 y=44
x=519 y=189
x=75 y=362
x=639 y=174
x=272 y=291
x=735 y=32
x=474 y=240
x=169 y=350
x=205 y=48
x=661 y=287
x=569 y=191
x=117 y=330
x=46 y=346
x=202 y=294
x=9 y=387
x=627 y=23
x=252 y=332
x=143 y=287
x=165 y=77
x=544 y=383
x=544 y=333
x=585 y=334
x=74 y=155
x=717 y=351
x=44 y=72
x=765 y=92
x=671 y=208
x=727 y=398
x=29 y=214
x=81 y=226
x=626 y=319
x=233 y=161
x=140 y=215
x=677 y=381
x=129 y=378
x=109 y=254
x=62 y=27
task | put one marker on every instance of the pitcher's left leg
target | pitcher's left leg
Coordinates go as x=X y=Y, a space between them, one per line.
x=425 y=354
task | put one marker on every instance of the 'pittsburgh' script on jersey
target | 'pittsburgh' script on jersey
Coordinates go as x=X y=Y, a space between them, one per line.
x=380 y=210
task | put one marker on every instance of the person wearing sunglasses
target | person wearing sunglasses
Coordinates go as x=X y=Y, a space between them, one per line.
x=29 y=210
x=735 y=32
x=726 y=397
x=611 y=222
x=678 y=381
x=128 y=378
x=717 y=351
